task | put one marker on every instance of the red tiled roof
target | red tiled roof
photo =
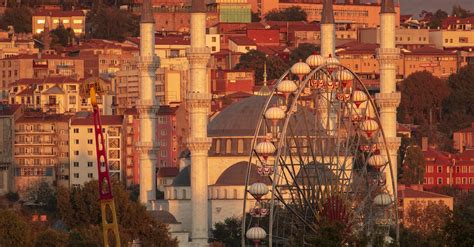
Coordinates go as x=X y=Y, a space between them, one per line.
x=167 y=110
x=440 y=157
x=427 y=50
x=358 y=48
x=58 y=13
x=469 y=129
x=105 y=120
x=467 y=155
x=167 y=172
x=166 y=40
x=411 y=193
x=53 y=79
x=42 y=117
x=27 y=91
x=7 y=109
x=242 y=40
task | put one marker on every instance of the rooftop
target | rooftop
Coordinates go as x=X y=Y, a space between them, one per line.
x=242 y=40
x=411 y=193
x=38 y=117
x=58 y=13
x=104 y=119
x=7 y=109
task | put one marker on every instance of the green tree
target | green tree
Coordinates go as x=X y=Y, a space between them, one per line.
x=112 y=23
x=18 y=17
x=62 y=36
x=460 y=11
x=302 y=52
x=413 y=166
x=14 y=231
x=422 y=98
x=427 y=220
x=255 y=60
x=44 y=194
x=51 y=238
x=460 y=228
x=12 y=196
x=228 y=232
x=458 y=108
x=294 y=13
x=256 y=17
x=435 y=18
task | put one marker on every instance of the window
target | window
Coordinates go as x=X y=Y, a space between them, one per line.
x=89 y=152
x=90 y=175
x=184 y=193
x=40 y=21
x=89 y=164
x=214 y=39
x=89 y=141
x=77 y=21
x=72 y=99
x=76 y=175
x=218 y=146
x=228 y=146
x=471 y=169
x=240 y=146
x=440 y=169
x=464 y=180
x=440 y=180
x=164 y=153
x=430 y=169
x=76 y=152
x=89 y=130
x=76 y=141
x=458 y=169
x=430 y=180
x=471 y=180
x=76 y=130
x=76 y=164
x=464 y=169
x=458 y=180
x=65 y=21
x=163 y=132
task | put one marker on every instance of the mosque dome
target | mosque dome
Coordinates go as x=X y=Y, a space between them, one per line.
x=236 y=173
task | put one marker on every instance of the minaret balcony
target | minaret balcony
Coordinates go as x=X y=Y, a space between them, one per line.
x=388 y=100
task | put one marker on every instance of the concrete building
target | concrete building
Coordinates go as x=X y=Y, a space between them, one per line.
x=356 y=15
x=388 y=99
x=241 y=44
x=75 y=19
x=166 y=137
x=8 y=115
x=224 y=82
x=82 y=148
x=41 y=150
x=452 y=39
x=404 y=38
x=438 y=62
x=464 y=139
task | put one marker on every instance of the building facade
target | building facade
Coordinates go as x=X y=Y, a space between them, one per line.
x=75 y=19
x=8 y=115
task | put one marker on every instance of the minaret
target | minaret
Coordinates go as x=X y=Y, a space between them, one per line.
x=147 y=106
x=388 y=98
x=328 y=30
x=198 y=100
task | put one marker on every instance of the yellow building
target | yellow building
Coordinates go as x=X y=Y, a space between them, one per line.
x=8 y=115
x=452 y=39
x=74 y=19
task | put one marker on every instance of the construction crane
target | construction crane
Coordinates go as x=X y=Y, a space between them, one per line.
x=106 y=198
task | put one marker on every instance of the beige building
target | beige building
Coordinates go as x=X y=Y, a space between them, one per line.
x=8 y=115
x=75 y=19
x=404 y=38
x=41 y=150
x=452 y=39
x=82 y=148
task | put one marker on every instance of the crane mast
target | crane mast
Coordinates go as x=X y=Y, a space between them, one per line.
x=106 y=198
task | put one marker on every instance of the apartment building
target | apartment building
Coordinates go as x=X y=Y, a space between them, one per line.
x=167 y=137
x=404 y=38
x=82 y=148
x=8 y=115
x=41 y=150
x=74 y=19
x=464 y=139
x=452 y=39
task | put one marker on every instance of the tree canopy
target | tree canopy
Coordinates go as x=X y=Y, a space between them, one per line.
x=18 y=17
x=413 y=166
x=112 y=23
x=461 y=12
x=302 y=52
x=228 y=232
x=460 y=227
x=14 y=230
x=435 y=18
x=422 y=98
x=255 y=60
x=294 y=13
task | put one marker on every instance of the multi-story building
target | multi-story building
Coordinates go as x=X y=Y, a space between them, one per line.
x=16 y=44
x=8 y=115
x=74 y=19
x=41 y=150
x=404 y=38
x=82 y=148
x=166 y=137
x=357 y=15
x=464 y=139
x=224 y=82
x=452 y=39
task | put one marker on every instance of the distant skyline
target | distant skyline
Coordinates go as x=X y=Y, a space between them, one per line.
x=415 y=7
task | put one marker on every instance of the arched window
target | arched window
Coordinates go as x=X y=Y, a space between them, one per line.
x=175 y=194
x=218 y=146
x=184 y=193
x=225 y=193
x=217 y=193
x=235 y=193
x=228 y=146
x=240 y=146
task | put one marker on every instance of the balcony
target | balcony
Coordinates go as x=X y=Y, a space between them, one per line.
x=40 y=154
x=34 y=131
x=33 y=143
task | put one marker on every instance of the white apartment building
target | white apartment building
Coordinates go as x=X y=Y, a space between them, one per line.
x=82 y=148
x=452 y=39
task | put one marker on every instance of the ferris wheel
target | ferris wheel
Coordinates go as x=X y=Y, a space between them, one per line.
x=321 y=149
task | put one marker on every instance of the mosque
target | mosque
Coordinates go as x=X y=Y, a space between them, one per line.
x=219 y=149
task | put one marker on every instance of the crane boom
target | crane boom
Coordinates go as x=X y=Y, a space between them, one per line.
x=106 y=198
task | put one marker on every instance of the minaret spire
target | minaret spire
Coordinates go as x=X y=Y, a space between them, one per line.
x=388 y=99
x=198 y=102
x=328 y=30
x=147 y=106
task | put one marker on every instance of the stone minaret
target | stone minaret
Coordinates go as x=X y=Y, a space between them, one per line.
x=198 y=100
x=328 y=30
x=388 y=98
x=147 y=106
